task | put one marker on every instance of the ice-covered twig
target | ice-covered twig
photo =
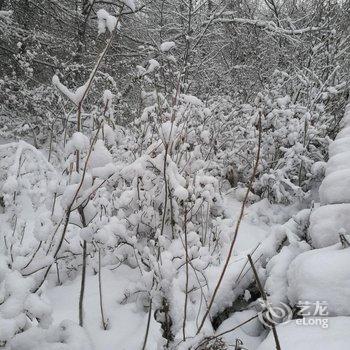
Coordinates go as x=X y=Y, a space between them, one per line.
x=76 y=97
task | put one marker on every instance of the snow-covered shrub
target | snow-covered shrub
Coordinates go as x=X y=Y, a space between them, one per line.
x=167 y=203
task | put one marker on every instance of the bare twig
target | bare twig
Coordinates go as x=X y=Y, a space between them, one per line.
x=104 y=322
x=148 y=325
x=186 y=282
x=263 y=295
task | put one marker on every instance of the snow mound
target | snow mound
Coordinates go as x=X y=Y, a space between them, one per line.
x=338 y=162
x=249 y=333
x=67 y=336
x=346 y=118
x=327 y=222
x=321 y=275
x=339 y=146
x=335 y=188
x=330 y=219
x=345 y=133
x=166 y=46
x=276 y=283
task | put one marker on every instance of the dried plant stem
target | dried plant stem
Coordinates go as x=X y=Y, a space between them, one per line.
x=148 y=325
x=104 y=322
x=82 y=288
x=83 y=272
x=58 y=274
x=186 y=278
x=263 y=295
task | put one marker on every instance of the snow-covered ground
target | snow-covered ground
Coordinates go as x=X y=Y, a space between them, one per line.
x=126 y=322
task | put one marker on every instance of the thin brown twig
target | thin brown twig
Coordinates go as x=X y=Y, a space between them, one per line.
x=187 y=276
x=148 y=325
x=263 y=295
x=104 y=322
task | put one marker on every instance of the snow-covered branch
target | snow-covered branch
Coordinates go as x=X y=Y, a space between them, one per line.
x=264 y=24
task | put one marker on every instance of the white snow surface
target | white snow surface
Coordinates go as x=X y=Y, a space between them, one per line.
x=344 y=133
x=321 y=275
x=105 y=21
x=335 y=188
x=127 y=323
x=340 y=161
x=293 y=336
x=250 y=333
x=276 y=284
x=167 y=46
x=326 y=222
x=339 y=146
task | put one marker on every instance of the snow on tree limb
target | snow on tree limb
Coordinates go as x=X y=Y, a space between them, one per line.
x=268 y=25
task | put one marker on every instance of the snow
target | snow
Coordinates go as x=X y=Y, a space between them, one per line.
x=105 y=21
x=6 y=13
x=344 y=133
x=339 y=146
x=153 y=65
x=283 y=101
x=17 y=302
x=346 y=118
x=79 y=142
x=332 y=218
x=249 y=236
x=192 y=100
x=107 y=98
x=338 y=162
x=126 y=322
x=326 y=222
x=335 y=188
x=161 y=216
x=65 y=336
x=131 y=4
x=293 y=336
x=205 y=136
x=100 y=156
x=167 y=46
x=321 y=275
x=76 y=96
x=249 y=334
x=276 y=284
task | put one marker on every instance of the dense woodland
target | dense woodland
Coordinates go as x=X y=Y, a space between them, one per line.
x=172 y=172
